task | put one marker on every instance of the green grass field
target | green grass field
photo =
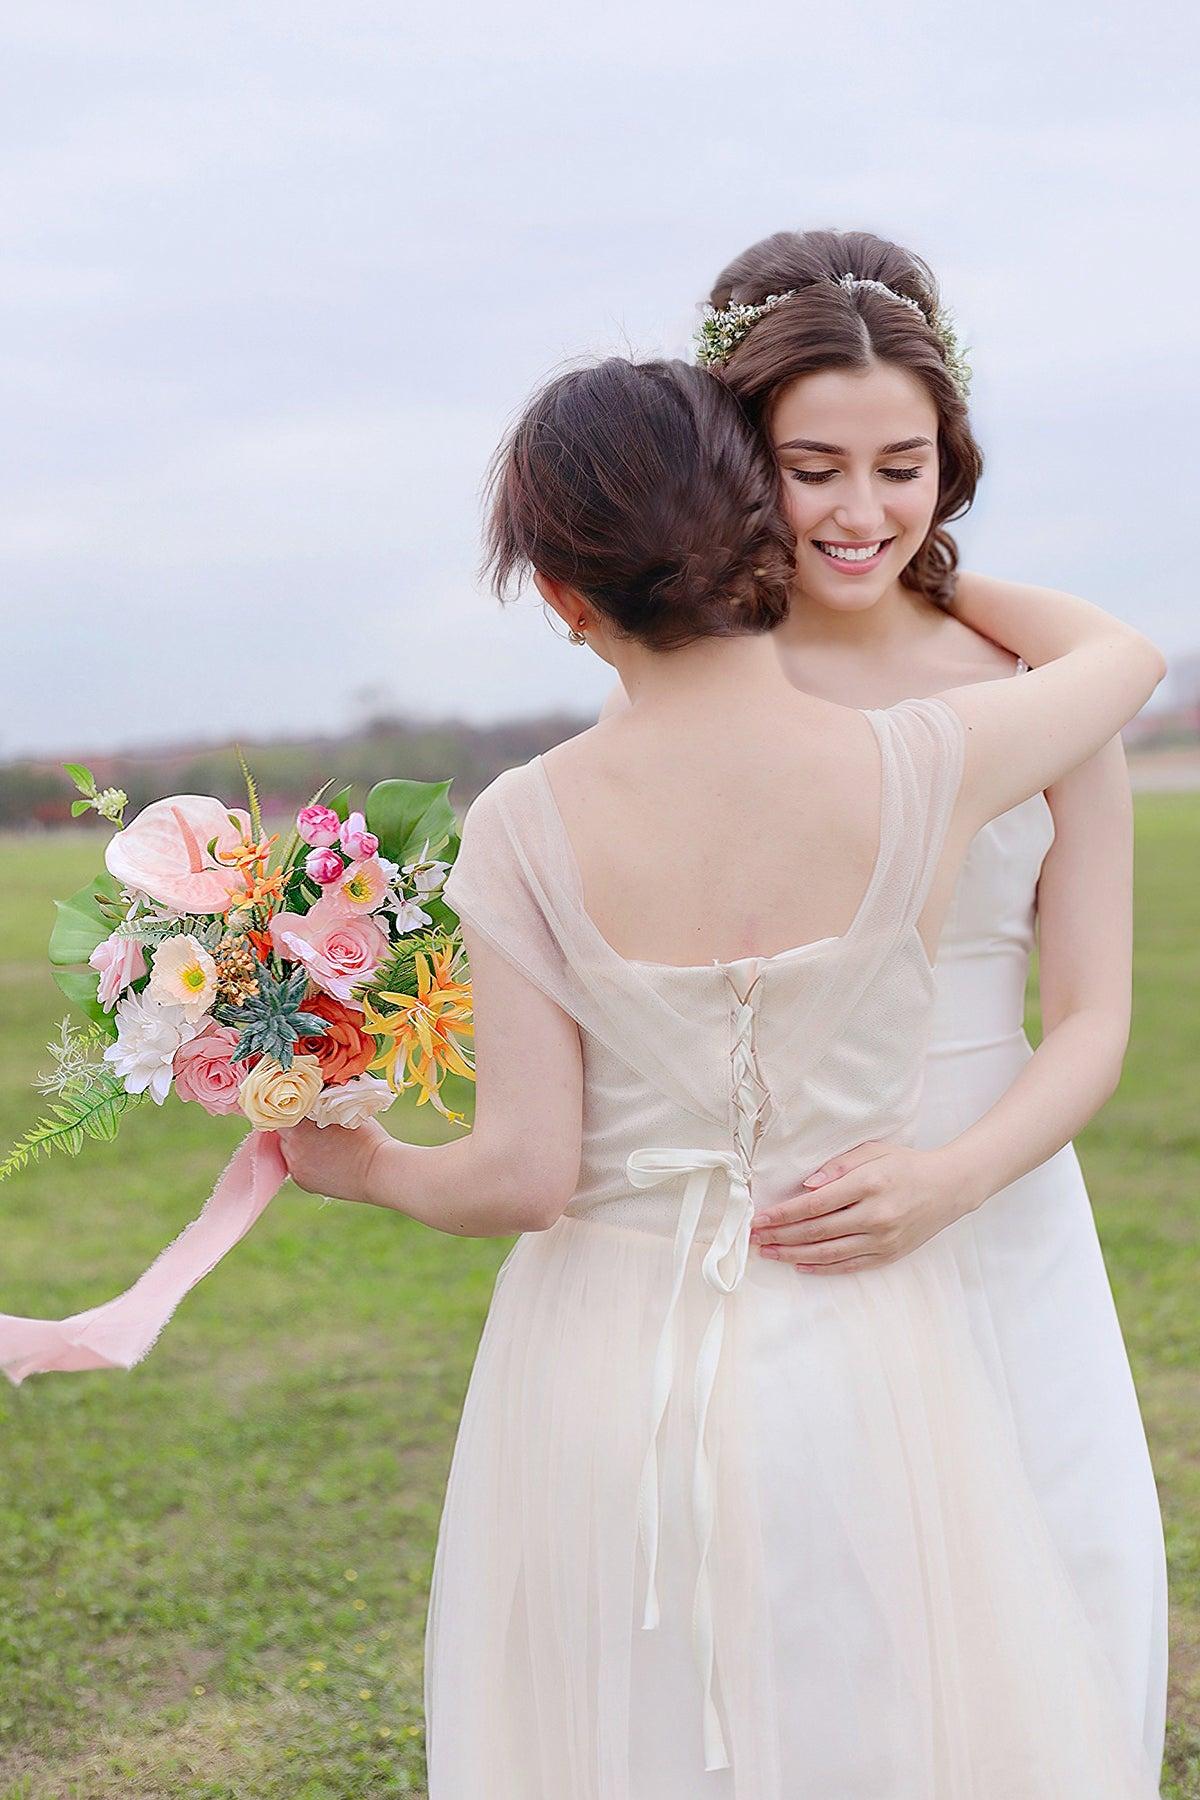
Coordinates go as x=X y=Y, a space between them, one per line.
x=213 y=1570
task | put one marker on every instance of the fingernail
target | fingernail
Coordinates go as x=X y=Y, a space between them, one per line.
x=767 y=1250
x=816 y=1180
x=759 y=1220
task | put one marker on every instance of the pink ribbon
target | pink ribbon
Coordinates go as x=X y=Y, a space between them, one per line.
x=118 y=1334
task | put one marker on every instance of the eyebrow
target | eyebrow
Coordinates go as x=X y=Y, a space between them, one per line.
x=915 y=443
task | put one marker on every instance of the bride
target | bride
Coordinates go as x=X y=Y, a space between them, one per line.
x=856 y=381
x=715 y=1525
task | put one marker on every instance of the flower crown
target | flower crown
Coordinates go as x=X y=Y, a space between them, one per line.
x=722 y=329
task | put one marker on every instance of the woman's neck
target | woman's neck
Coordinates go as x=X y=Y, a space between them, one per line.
x=716 y=676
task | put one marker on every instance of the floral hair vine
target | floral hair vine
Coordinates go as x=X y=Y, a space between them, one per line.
x=721 y=329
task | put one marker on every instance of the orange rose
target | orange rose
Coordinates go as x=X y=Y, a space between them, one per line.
x=345 y=1049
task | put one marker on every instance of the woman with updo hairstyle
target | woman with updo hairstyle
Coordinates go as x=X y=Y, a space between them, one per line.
x=839 y=346
x=641 y=485
x=713 y=1525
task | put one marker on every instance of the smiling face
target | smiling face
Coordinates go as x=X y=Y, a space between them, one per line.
x=857 y=450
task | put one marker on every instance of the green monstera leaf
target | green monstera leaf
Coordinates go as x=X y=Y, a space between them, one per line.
x=405 y=815
x=82 y=922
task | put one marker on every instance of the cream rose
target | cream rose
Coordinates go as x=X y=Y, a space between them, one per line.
x=273 y=1098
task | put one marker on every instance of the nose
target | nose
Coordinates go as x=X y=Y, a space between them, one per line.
x=859 y=511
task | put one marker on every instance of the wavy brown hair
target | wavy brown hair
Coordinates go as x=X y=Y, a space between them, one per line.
x=644 y=486
x=829 y=327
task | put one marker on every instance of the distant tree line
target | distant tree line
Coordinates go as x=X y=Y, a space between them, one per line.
x=37 y=792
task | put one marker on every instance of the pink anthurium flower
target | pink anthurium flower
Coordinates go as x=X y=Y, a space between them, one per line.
x=164 y=852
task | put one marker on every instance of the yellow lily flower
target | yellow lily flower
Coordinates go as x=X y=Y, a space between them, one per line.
x=420 y=1035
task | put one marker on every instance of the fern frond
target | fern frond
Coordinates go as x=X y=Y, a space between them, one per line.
x=251 y=795
x=398 y=974
x=95 y=1113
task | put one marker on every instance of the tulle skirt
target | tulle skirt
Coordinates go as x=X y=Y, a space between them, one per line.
x=891 y=1620
x=1044 y=1323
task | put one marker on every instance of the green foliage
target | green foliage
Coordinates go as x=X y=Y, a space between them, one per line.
x=93 y=1112
x=271 y=1020
x=406 y=815
x=253 y=807
x=82 y=922
x=151 y=932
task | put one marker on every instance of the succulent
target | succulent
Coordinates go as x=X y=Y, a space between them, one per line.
x=272 y=1019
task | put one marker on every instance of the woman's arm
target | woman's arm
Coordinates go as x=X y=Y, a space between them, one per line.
x=1090 y=674
x=1085 y=944
x=518 y=1167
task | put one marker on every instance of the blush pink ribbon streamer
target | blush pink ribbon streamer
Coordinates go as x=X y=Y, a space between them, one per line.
x=118 y=1334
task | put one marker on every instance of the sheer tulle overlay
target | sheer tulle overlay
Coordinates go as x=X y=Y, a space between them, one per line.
x=713 y=1527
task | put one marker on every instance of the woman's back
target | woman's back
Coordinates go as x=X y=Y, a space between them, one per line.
x=781 y=1055
x=698 y=840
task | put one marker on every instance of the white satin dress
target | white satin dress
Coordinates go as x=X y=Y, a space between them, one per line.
x=715 y=1529
x=1041 y=1307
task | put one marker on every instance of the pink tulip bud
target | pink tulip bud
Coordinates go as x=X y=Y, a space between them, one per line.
x=318 y=825
x=356 y=841
x=323 y=865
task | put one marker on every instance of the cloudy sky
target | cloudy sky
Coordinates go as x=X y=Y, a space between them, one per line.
x=275 y=277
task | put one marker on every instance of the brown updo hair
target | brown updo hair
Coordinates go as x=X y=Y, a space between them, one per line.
x=643 y=486
x=829 y=327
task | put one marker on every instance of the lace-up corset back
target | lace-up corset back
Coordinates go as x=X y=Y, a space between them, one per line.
x=779 y=1060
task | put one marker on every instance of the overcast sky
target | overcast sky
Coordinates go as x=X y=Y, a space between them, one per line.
x=275 y=277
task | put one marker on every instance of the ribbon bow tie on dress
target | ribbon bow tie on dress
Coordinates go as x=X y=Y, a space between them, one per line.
x=724 y=1265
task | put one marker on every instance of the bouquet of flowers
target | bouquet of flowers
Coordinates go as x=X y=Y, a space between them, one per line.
x=313 y=978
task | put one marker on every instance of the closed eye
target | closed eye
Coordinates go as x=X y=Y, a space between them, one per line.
x=814 y=477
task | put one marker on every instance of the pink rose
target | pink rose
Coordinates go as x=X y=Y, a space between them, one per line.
x=204 y=1069
x=323 y=866
x=339 y=950
x=318 y=825
x=119 y=961
x=164 y=852
x=357 y=842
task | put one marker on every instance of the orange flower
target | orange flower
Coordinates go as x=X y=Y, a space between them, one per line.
x=345 y=1049
x=423 y=1030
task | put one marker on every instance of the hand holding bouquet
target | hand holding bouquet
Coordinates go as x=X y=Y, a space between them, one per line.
x=313 y=979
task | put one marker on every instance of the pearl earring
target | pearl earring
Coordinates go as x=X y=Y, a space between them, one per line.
x=577 y=636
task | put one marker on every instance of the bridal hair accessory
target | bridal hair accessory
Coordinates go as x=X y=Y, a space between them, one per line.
x=245 y=975
x=721 y=329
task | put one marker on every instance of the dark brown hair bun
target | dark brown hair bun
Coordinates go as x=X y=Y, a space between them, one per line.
x=644 y=486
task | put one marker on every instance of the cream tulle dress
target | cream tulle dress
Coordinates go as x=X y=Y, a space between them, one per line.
x=713 y=1529
x=1041 y=1308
